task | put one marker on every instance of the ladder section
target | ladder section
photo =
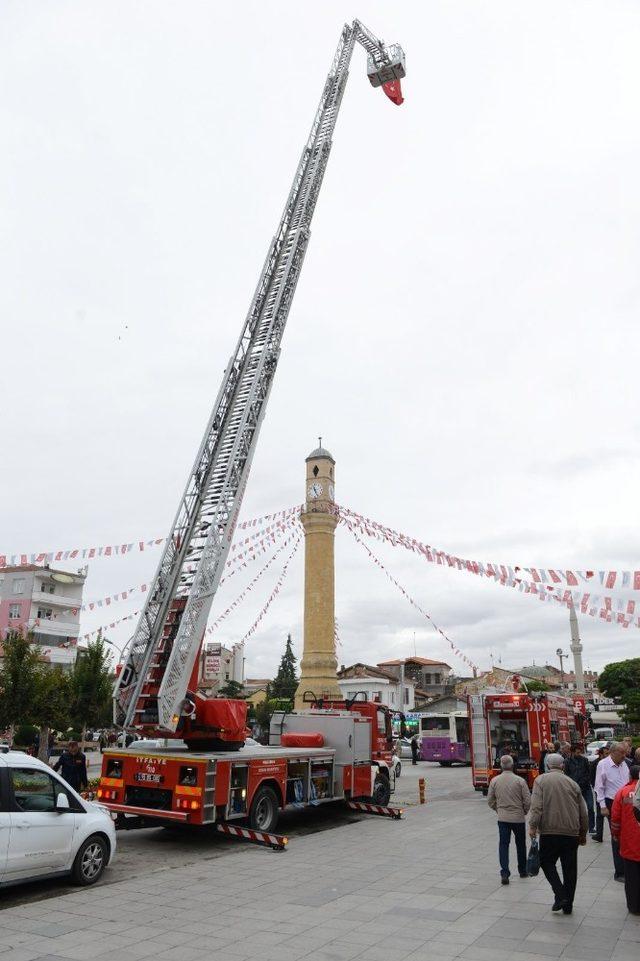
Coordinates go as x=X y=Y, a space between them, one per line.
x=479 y=740
x=153 y=685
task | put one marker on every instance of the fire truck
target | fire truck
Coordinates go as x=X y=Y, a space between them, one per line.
x=333 y=750
x=336 y=750
x=520 y=724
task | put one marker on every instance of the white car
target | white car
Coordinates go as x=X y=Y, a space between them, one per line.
x=593 y=747
x=46 y=828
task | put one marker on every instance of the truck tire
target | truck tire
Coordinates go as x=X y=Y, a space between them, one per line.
x=381 y=790
x=264 y=811
x=90 y=861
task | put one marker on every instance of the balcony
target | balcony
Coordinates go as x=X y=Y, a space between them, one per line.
x=55 y=627
x=56 y=600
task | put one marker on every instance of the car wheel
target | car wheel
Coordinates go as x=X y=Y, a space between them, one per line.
x=264 y=812
x=381 y=790
x=90 y=861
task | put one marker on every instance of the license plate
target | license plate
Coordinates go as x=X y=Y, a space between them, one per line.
x=148 y=778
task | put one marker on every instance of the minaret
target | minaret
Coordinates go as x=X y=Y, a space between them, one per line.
x=318 y=666
x=576 y=650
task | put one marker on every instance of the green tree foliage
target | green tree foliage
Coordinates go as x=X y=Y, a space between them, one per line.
x=51 y=705
x=286 y=680
x=19 y=680
x=91 y=686
x=532 y=687
x=231 y=689
x=621 y=680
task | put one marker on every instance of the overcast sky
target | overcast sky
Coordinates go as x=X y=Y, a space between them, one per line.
x=464 y=335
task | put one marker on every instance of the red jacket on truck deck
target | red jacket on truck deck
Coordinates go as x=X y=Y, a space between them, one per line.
x=623 y=822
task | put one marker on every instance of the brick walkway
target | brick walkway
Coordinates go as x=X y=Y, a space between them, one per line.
x=426 y=887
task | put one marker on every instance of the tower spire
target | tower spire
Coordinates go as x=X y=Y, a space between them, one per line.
x=576 y=649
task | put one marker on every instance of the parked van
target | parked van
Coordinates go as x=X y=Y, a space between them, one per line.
x=46 y=828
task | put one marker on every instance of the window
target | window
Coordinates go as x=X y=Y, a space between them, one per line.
x=14 y=611
x=48 y=587
x=406 y=695
x=427 y=679
x=393 y=698
x=438 y=678
x=45 y=613
x=18 y=585
x=33 y=790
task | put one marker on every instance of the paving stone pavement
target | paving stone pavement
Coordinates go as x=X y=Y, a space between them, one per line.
x=425 y=887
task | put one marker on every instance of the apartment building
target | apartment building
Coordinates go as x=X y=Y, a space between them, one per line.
x=46 y=603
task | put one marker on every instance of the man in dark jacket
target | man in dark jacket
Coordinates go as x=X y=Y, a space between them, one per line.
x=72 y=765
x=576 y=766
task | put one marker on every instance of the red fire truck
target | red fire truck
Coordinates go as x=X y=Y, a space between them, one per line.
x=338 y=750
x=520 y=725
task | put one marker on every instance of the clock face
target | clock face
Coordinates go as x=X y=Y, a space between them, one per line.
x=315 y=490
x=332 y=492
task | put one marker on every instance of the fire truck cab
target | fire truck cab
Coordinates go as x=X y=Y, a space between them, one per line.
x=519 y=725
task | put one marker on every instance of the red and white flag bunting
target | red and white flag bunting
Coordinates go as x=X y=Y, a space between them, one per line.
x=115 y=550
x=250 y=586
x=274 y=592
x=456 y=650
x=619 y=610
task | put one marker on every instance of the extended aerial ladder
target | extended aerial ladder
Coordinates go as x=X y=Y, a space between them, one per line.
x=156 y=689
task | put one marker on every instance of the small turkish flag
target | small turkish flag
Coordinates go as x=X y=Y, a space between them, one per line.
x=393 y=91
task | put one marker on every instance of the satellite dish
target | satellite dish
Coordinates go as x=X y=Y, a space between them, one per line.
x=64 y=578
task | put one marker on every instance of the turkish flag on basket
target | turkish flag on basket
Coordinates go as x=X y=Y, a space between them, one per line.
x=393 y=91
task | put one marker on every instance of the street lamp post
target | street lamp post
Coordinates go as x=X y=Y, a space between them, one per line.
x=561 y=656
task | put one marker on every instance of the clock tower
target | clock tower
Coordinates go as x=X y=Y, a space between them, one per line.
x=318 y=666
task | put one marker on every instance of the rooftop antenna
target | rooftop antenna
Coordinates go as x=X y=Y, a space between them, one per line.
x=319 y=441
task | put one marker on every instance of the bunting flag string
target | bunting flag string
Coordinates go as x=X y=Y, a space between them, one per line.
x=250 y=586
x=274 y=592
x=458 y=653
x=104 y=627
x=114 y=550
x=607 y=579
x=619 y=610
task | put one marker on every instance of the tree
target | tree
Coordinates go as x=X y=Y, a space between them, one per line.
x=91 y=687
x=232 y=689
x=19 y=681
x=533 y=686
x=286 y=680
x=51 y=705
x=621 y=681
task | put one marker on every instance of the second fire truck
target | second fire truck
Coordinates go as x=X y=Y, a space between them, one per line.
x=520 y=724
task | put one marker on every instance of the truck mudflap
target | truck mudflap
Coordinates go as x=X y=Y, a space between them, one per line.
x=276 y=841
x=395 y=813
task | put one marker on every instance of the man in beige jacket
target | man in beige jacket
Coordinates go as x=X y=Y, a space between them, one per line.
x=510 y=799
x=559 y=814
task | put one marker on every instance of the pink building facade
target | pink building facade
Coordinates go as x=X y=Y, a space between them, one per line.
x=45 y=603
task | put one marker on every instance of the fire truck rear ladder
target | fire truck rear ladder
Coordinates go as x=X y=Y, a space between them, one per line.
x=153 y=684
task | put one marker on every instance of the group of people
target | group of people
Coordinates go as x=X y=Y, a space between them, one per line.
x=562 y=811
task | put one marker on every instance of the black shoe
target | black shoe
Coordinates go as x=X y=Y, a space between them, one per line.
x=594 y=838
x=557 y=905
x=504 y=881
x=619 y=877
x=567 y=908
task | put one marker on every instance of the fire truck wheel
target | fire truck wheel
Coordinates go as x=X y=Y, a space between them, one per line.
x=381 y=790
x=264 y=812
x=90 y=861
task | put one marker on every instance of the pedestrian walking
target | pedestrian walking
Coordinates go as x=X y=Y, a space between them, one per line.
x=627 y=744
x=559 y=814
x=72 y=765
x=612 y=773
x=596 y=834
x=415 y=747
x=577 y=768
x=548 y=749
x=510 y=798
x=626 y=829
